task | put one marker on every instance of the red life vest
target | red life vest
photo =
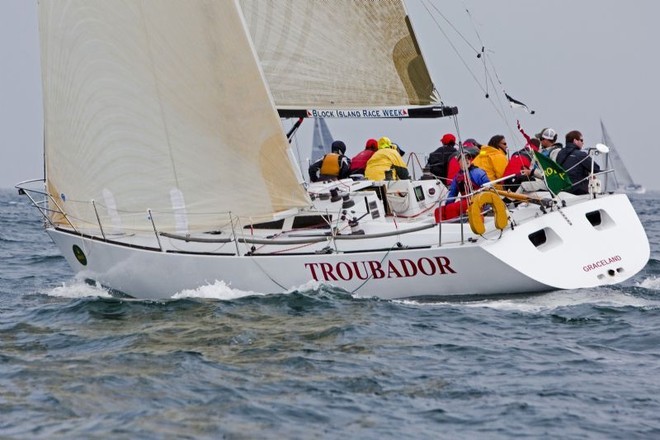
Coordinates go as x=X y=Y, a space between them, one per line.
x=359 y=162
x=518 y=160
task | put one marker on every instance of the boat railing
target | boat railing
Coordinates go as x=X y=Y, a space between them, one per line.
x=48 y=207
x=44 y=205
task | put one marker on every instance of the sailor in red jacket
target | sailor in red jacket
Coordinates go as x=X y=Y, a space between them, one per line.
x=454 y=167
x=359 y=162
x=520 y=164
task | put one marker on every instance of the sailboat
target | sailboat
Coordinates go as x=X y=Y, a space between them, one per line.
x=321 y=140
x=167 y=167
x=620 y=180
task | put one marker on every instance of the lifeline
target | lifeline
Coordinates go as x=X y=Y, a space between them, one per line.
x=362 y=270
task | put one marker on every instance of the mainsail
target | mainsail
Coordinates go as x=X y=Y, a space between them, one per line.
x=338 y=54
x=167 y=112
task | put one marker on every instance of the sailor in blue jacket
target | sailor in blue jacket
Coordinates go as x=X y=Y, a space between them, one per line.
x=478 y=177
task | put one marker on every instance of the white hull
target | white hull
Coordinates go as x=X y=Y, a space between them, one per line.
x=576 y=254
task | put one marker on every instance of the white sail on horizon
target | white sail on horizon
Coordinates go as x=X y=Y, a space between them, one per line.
x=620 y=179
x=321 y=140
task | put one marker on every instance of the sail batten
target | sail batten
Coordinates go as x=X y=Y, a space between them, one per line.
x=148 y=99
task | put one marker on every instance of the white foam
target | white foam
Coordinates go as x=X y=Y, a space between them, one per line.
x=220 y=290
x=567 y=298
x=552 y=300
x=651 y=283
x=309 y=285
x=217 y=290
x=79 y=289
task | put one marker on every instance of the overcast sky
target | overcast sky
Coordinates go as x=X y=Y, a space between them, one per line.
x=573 y=61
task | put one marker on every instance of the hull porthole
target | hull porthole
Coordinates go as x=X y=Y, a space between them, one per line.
x=80 y=255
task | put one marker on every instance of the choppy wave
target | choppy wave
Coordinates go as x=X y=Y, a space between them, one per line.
x=222 y=291
x=79 y=289
x=652 y=283
x=562 y=299
x=218 y=362
x=217 y=290
x=546 y=302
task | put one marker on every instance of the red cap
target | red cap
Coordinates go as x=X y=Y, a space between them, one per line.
x=448 y=139
x=372 y=144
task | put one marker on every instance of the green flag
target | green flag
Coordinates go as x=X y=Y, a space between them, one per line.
x=555 y=175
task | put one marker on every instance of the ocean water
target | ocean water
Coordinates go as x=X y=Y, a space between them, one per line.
x=218 y=363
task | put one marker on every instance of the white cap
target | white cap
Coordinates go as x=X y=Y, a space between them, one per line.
x=548 y=133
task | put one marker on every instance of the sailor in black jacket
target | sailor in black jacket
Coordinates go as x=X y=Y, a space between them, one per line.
x=439 y=159
x=576 y=162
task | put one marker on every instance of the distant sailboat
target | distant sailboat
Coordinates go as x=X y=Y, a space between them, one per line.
x=322 y=139
x=620 y=180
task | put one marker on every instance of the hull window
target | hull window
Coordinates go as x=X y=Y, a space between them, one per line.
x=599 y=219
x=545 y=239
x=538 y=238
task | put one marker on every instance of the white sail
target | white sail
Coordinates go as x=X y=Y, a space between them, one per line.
x=338 y=53
x=620 y=179
x=146 y=110
x=321 y=140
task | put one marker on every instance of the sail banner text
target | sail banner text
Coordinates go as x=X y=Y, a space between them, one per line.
x=359 y=113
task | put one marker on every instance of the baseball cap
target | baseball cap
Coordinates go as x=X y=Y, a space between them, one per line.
x=471 y=142
x=448 y=139
x=547 y=133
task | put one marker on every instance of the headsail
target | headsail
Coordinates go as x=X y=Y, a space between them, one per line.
x=339 y=54
x=161 y=105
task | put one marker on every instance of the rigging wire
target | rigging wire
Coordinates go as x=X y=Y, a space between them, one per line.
x=453 y=46
x=491 y=77
x=301 y=159
x=455 y=29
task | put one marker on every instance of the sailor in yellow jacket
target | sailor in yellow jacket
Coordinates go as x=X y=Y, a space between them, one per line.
x=386 y=158
x=492 y=158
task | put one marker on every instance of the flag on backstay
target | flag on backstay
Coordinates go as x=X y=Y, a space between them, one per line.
x=517 y=104
x=556 y=177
